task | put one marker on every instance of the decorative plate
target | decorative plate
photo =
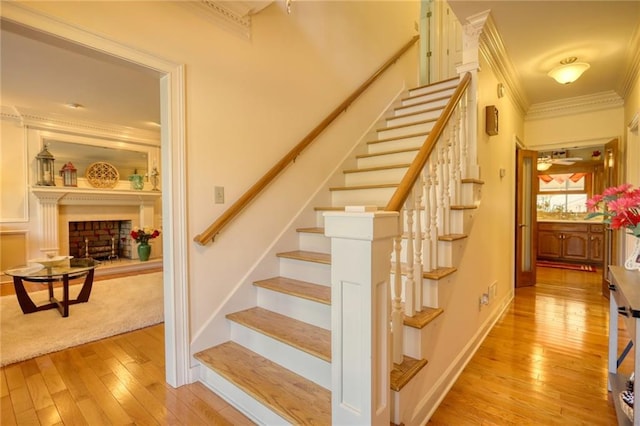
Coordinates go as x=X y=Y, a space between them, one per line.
x=102 y=175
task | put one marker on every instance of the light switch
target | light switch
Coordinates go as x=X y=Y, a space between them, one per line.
x=219 y=194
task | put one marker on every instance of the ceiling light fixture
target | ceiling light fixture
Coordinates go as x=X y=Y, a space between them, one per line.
x=569 y=70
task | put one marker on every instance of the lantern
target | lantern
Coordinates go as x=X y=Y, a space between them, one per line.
x=69 y=175
x=45 y=168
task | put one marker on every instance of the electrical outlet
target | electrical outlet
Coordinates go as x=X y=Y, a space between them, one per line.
x=219 y=194
x=484 y=300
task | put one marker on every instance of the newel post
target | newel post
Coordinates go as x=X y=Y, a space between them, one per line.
x=361 y=246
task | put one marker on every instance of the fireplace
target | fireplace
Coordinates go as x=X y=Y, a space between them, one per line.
x=100 y=239
x=104 y=210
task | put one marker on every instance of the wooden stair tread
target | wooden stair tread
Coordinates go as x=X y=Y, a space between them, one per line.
x=311 y=230
x=306 y=337
x=408 y=98
x=435 y=83
x=376 y=169
x=452 y=237
x=308 y=256
x=397 y=138
x=358 y=187
x=336 y=209
x=401 y=374
x=401 y=126
x=395 y=151
x=472 y=180
x=409 y=114
x=422 y=318
x=293 y=397
x=469 y=207
x=305 y=290
x=434 y=274
x=439 y=273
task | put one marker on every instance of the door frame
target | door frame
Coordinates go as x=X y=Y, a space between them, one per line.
x=173 y=158
x=525 y=220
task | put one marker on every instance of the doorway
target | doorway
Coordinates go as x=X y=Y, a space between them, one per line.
x=172 y=163
x=546 y=220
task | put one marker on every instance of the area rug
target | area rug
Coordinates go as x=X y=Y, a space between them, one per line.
x=562 y=265
x=115 y=306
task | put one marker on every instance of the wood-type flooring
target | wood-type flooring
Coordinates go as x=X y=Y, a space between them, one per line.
x=544 y=363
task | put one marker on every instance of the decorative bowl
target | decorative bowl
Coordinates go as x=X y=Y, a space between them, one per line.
x=49 y=262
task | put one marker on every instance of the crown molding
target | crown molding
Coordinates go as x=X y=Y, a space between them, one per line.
x=494 y=52
x=232 y=16
x=632 y=70
x=576 y=105
x=53 y=122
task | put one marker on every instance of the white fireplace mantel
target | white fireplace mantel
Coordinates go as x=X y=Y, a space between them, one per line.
x=50 y=198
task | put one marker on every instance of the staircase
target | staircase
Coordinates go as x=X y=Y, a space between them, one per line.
x=276 y=368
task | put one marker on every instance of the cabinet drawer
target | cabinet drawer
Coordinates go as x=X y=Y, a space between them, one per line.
x=599 y=229
x=568 y=227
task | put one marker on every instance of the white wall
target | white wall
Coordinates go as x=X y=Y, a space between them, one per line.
x=249 y=101
x=632 y=146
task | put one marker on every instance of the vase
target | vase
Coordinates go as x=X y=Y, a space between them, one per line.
x=144 y=250
x=633 y=262
x=137 y=182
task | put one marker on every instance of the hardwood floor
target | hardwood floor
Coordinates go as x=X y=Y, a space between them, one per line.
x=544 y=363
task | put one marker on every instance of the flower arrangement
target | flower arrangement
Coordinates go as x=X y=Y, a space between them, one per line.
x=620 y=207
x=143 y=235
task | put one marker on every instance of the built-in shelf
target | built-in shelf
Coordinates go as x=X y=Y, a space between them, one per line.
x=70 y=195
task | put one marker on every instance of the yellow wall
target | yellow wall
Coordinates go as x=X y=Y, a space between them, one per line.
x=249 y=101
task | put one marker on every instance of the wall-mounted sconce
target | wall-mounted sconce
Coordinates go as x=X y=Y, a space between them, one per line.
x=491 y=123
x=500 y=90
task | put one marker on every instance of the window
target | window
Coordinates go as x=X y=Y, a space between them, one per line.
x=563 y=193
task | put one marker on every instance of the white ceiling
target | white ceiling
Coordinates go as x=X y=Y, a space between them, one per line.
x=42 y=73
x=537 y=35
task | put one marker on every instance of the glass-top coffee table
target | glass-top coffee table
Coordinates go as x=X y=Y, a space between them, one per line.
x=77 y=268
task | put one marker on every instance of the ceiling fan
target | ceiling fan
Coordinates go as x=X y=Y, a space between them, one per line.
x=546 y=160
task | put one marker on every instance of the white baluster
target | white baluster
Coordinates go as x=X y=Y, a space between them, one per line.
x=409 y=287
x=433 y=202
x=397 y=314
x=419 y=238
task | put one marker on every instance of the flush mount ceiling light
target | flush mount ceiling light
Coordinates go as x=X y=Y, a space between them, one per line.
x=569 y=70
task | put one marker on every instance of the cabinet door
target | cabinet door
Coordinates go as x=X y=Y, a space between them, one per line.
x=575 y=245
x=549 y=244
x=596 y=247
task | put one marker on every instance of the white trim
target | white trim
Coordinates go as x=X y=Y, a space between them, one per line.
x=25 y=180
x=575 y=105
x=633 y=124
x=173 y=159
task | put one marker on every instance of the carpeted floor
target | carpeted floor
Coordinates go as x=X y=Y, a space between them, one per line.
x=115 y=306
x=564 y=265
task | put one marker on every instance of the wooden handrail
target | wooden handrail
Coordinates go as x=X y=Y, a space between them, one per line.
x=233 y=211
x=410 y=178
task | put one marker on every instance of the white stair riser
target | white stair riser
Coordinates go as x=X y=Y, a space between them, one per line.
x=430 y=293
x=316 y=273
x=424 y=103
x=433 y=93
x=373 y=177
x=405 y=130
x=443 y=85
x=239 y=399
x=302 y=363
x=396 y=144
x=461 y=221
x=471 y=194
x=305 y=310
x=408 y=119
x=362 y=197
x=449 y=253
x=387 y=159
x=311 y=241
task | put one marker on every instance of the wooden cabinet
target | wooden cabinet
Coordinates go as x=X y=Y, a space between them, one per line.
x=624 y=302
x=571 y=241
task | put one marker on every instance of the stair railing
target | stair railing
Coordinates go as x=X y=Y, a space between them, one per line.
x=237 y=207
x=424 y=199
